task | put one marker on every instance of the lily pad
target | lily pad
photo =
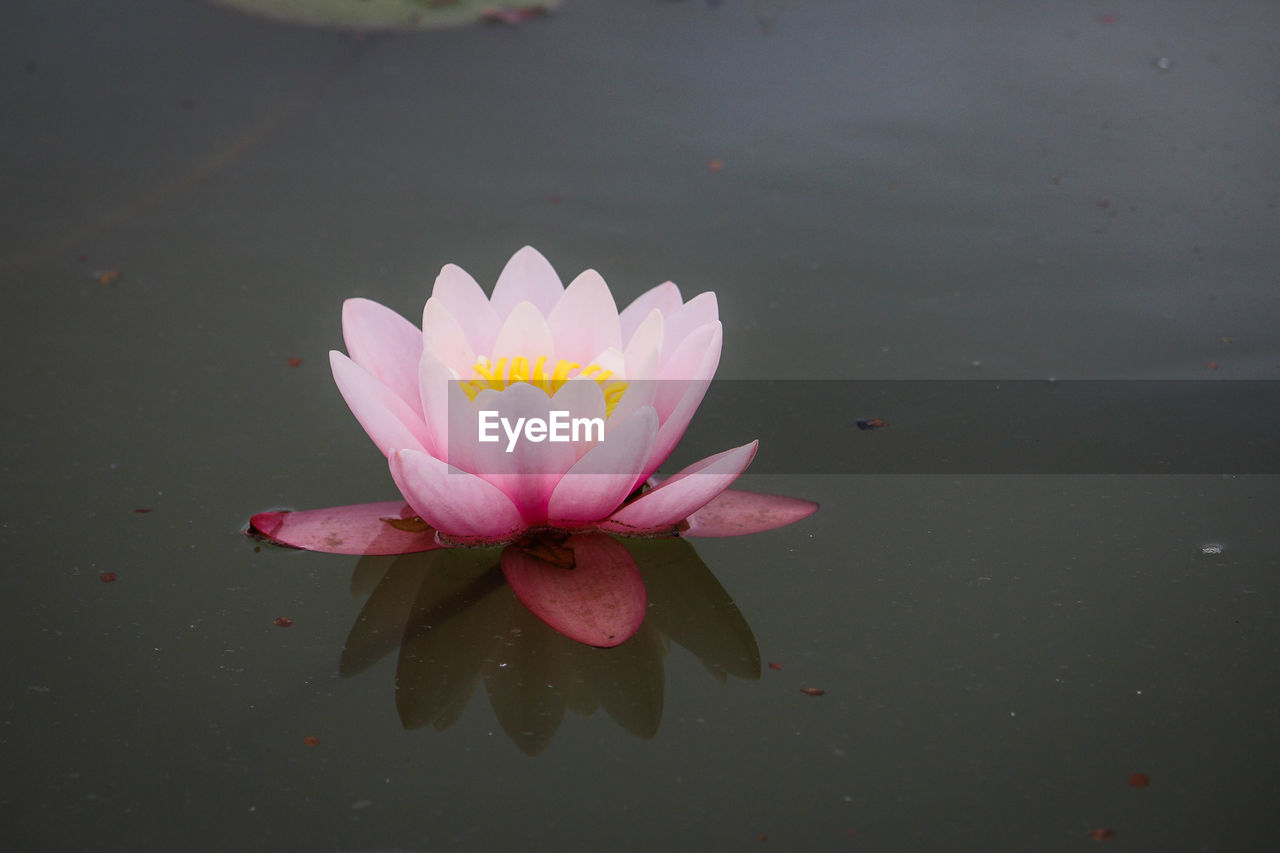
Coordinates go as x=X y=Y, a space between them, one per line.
x=391 y=14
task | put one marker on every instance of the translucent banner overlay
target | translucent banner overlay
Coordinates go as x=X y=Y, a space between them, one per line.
x=937 y=427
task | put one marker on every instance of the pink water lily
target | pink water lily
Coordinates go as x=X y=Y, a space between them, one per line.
x=533 y=352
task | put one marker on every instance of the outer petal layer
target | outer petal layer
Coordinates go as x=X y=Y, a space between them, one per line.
x=383 y=414
x=385 y=344
x=737 y=513
x=389 y=527
x=606 y=474
x=461 y=505
x=677 y=498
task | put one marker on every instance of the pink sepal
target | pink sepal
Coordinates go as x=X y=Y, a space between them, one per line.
x=387 y=527
x=738 y=513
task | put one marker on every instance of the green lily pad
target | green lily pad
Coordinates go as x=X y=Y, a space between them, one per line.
x=391 y=14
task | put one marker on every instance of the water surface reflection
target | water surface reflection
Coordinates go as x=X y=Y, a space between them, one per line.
x=457 y=624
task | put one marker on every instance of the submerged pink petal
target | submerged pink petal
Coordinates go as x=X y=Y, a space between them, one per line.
x=677 y=498
x=527 y=277
x=601 y=601
x=384 y=415
x=737 y=513
x=385 y=344
x=461 y=506
x=388 y=527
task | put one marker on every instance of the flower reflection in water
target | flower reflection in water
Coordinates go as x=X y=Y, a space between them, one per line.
x=459 y=623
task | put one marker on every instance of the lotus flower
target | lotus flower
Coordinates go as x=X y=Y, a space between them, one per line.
x=535 y=348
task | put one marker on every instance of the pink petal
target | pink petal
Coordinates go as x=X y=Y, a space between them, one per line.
x=457 y=291
x=527 y=277
x=644 y=345
x=525 y=334
x=677 y=498
x=383 y=414
x=444 y=337
x=665 y=298
x=385 y=344
x=434 y=382
x=526 y=471
x=583 y=398
x=641 y=391
x=704 y=344
x=585 y=320
x=735 y=513
x=389 y=527
x=698 y=311
x=600 y=602
x=602 y=479
x=461 y=506
x=695 y=356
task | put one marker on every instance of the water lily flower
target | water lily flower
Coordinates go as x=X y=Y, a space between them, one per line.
x=432 y=400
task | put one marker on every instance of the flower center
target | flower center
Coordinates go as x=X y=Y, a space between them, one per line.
x=498 y=375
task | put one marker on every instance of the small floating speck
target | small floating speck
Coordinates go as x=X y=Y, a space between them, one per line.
x=1212 y=548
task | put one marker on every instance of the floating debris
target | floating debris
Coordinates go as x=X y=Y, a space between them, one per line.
x=282 y=622
x=376 y=15
x=1139 y=780
x=311 y=740
x=1102 y=834
x=293 y=362
x=107 y=577
x=813 y=691
x=870 y=423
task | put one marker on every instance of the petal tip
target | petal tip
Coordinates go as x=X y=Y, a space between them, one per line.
x=264 y=527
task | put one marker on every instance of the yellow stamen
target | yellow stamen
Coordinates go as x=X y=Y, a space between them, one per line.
x=497 y=376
